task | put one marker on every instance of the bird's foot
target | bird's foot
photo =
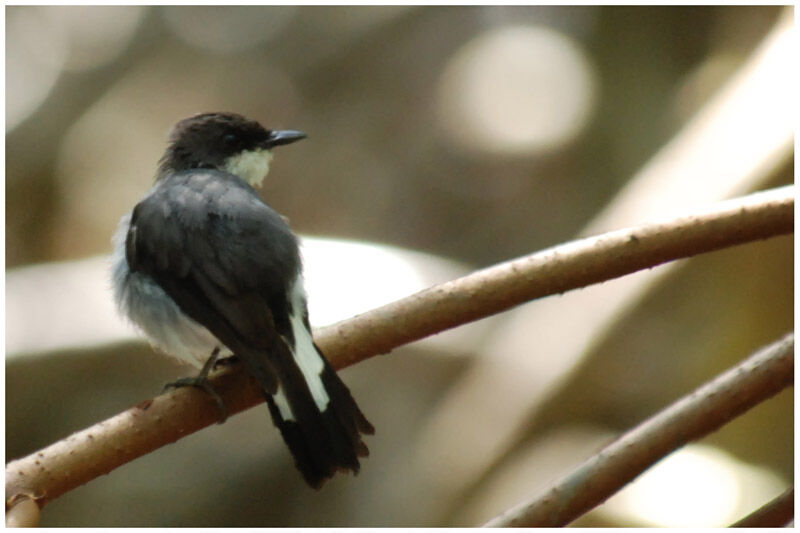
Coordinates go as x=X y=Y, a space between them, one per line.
x=200 y=382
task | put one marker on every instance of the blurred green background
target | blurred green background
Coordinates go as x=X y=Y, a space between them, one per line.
x=469 y=134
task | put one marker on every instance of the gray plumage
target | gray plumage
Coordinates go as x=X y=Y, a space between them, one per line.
x=203 y=264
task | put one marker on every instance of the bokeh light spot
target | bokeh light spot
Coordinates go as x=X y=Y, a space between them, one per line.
x=697 y=486
x=516 y=89
x=78 y=38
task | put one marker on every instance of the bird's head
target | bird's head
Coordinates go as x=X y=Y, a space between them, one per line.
x=224 y=141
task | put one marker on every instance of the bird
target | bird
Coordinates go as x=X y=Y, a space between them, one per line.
x=210 y=273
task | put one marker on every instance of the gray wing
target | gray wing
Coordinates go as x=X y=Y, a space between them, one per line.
x=228 y=260
x=224 y=256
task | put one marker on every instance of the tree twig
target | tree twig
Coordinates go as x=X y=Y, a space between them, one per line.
x=97 y=450
x=559 y=269
x=727 y=396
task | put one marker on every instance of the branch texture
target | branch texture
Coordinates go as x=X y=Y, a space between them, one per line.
x=730 y=394
x=97 y=450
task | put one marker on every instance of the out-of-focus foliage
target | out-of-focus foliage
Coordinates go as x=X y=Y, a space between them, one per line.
x=473 y=133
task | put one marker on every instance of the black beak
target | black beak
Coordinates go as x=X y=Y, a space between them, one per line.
x=281 y=137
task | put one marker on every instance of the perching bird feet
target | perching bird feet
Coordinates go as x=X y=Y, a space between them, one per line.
x=200 y=381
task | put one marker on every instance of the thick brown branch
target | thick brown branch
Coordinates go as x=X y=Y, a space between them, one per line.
x=730 y=394
x=97 y=450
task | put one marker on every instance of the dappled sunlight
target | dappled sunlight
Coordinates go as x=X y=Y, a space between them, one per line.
x=517 y=90
x=697 y=486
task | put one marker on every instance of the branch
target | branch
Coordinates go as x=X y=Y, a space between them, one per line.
x=97 y=450
x=730 y=394
x=556 y=270
x=776 y=513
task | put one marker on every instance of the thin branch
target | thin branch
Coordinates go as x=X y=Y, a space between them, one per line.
x=727 y=396
x=556 y=270
x=97 y=450
x=776 y=513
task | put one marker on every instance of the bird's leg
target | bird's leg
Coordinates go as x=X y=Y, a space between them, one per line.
x=201 y=382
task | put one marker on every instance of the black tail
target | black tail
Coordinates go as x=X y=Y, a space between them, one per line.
x=321 y=442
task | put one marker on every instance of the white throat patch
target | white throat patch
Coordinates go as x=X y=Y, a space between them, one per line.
x=251 y=166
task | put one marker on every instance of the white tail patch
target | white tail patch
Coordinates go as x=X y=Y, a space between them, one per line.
x=283 y=404
x=305 y=353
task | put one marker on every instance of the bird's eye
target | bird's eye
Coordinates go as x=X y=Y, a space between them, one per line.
x=230 y=139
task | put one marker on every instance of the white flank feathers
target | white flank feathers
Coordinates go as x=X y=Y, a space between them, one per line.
x=148 y=307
